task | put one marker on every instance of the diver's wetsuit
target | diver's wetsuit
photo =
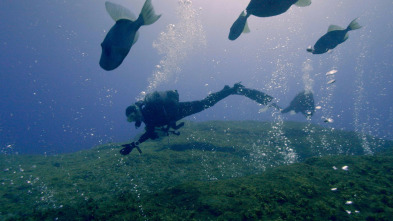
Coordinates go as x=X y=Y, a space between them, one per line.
x=161 y=115
x=164 y=115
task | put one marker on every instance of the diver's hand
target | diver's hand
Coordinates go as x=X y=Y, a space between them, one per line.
x=129 y=147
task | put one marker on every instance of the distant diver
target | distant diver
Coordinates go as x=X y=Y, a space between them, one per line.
x=160 y=111
x=124 y=33
x=303 y=103
x=262 y=8
x=334 y=36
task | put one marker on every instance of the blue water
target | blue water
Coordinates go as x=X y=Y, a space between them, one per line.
x=55 y=98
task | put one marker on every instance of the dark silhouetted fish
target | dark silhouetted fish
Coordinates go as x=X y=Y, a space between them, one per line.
x=124 y=33
x=303 y=103
x=334 y=36
x=262 y=8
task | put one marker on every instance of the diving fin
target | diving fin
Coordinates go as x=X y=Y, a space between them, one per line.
x=287 y=109
x=256 y=95
x=271 y=105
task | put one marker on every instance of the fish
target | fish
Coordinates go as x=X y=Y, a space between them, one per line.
x=331 y=72
x=335 y=35
x=303 y=103
x=331 y=81
x=262 y=8
x=124 y=33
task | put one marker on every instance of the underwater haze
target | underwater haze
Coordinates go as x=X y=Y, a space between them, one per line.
x=55 y=97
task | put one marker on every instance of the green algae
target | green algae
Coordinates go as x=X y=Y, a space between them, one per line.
x=213 y=170
x=312 y=190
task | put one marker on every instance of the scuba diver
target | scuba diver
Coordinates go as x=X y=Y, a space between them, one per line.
x=161 y=110
x=302 y=103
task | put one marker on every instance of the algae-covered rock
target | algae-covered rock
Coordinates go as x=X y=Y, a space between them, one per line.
x=213 y=170
x=328 y=188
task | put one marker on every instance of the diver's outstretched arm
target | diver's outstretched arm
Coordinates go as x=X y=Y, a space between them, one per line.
x=129 y=147
x=149 y=134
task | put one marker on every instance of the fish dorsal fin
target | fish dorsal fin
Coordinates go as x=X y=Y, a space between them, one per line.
x=118 y=12
x=246 y=28
x=334 y=28
x=303 y=3
x=136 y=37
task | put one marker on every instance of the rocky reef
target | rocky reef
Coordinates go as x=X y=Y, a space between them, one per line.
x=212 y=171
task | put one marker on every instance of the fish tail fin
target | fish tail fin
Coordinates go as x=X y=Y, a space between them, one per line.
x=353 y=25
x=148 y=14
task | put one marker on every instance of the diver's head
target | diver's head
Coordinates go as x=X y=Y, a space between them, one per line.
x=310 y=49
x=134 y=113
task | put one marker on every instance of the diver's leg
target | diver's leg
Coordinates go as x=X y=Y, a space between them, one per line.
x=255 y=95
x=193 y=107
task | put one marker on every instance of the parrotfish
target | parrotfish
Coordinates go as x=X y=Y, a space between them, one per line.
x=124 y=33
x=262 y=8
x=334 y=36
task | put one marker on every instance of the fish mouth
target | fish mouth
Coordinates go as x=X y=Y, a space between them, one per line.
x=108 y=64
x=232 y=38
